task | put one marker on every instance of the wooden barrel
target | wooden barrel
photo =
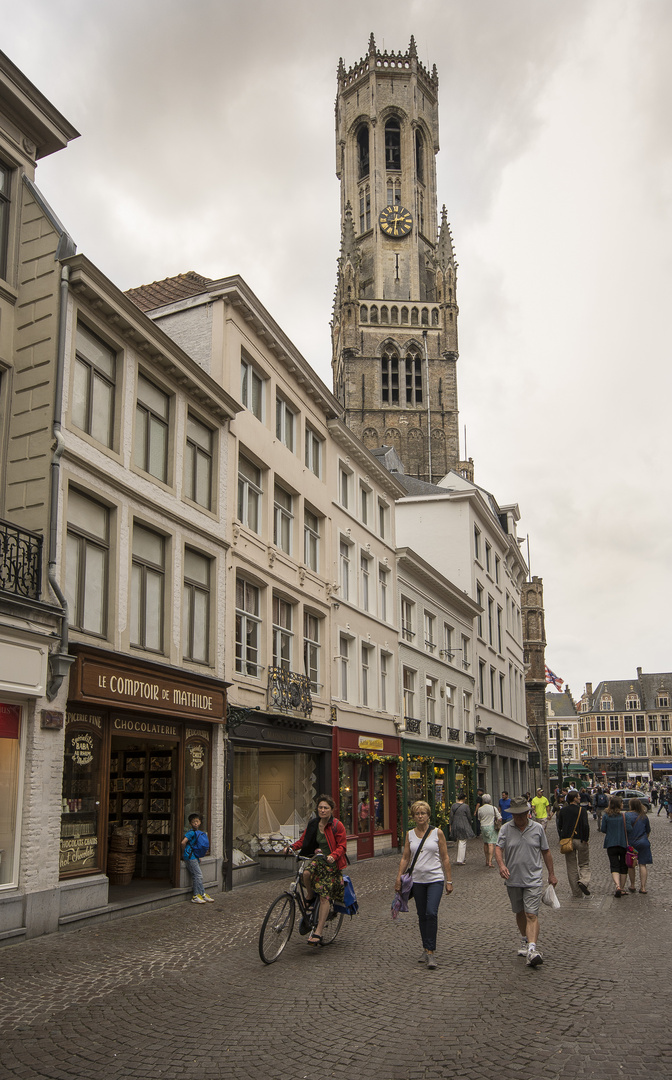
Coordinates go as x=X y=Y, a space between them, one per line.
x=120 y=867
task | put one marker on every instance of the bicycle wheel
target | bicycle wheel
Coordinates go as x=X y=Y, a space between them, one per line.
x=276 y=928
x=332 y=926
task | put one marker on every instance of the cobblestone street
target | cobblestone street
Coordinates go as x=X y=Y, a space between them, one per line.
x=182 y=992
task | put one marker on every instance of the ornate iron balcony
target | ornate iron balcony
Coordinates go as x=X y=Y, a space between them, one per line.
x=469 y=737
x=289 y=692
x=434 y=731
x=412 y=724
x=454 y=734
x=20 y=561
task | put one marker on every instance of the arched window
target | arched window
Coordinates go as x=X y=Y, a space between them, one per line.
x=392 y=144
x=373 y=313
x=363 y=313
x=435 y=316
x=414 y=316
x=390 y=377
x=419 y=157
x=425 y=317
x=384 y=314
x=413 y=378
x=393 y=192
x=363 y=151
x=404 y=315
x=364 y=208
x=394 y=314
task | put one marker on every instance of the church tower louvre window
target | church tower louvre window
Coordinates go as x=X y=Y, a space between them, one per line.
x=397 y=269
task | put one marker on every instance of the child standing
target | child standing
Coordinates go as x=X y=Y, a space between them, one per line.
x=194 y=842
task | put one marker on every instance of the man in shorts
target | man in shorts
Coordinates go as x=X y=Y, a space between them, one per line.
x=521 y=846
x=541 y=807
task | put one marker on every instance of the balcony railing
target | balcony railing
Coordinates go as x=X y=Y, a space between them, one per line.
x=434 y=731
x=20 y=562
x=412 y=724
x=454 y=734
x=289 y=692
x=469 y=737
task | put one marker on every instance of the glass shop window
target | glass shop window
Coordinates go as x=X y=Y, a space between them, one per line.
x=10 y=761
x=80 y=806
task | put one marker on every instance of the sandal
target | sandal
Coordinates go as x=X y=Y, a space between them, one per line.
x=315 y=940
x=644 y=891
x=618 y=893
x=632 y=889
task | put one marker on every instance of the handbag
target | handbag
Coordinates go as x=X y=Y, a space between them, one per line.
x=407 y=878
x=631 y=853
x=567 y=842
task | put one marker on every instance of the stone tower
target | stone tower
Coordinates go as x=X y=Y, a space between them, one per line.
x=394 y=329
x=534 y=646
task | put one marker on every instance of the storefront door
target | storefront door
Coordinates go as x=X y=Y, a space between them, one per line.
x=143 y=797
x=365 y=802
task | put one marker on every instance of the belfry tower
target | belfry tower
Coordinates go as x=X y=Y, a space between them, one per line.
x=394 y=329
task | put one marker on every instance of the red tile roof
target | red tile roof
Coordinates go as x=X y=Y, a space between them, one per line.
x=168 y=291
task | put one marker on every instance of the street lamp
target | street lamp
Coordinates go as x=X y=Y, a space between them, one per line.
x=618 y=754
x=558 y=747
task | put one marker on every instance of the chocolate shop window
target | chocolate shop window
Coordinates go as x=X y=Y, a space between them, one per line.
x=80 y=806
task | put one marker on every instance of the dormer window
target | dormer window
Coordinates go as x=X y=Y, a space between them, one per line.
x=393 y=144
x=363 y=151
x=662 y=701
x=632 y=701
x=606 y=703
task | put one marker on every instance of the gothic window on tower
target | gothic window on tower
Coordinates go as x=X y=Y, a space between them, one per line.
x=393 y=192
x=390 y=378
x=364 y=209
x=413 y=379
x=421 y=212
x=363 y=152
x=419 y=157
x=392 y=144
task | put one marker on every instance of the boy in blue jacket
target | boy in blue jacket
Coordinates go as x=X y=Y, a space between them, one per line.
x=194 y=839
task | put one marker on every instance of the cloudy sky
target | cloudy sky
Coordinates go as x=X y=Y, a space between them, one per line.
x=208 y=144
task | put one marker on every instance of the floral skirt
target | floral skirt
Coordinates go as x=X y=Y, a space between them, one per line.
x=326 y=879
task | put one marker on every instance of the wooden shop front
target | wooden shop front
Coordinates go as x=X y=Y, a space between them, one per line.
x=140 y=744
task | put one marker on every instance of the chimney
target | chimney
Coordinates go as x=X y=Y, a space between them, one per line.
x=639 y=672
x=589 y=689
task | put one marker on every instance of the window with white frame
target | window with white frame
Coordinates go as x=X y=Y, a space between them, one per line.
x=501 y=692
x=249 y=494
x=311 y=539
x=407 y=631
x=614 y=724
x=664 y=723
x=311 y=650
x=344 y=566
x=383 y=520
x=666 y=744
x=152 y=415
x=364 y=504
x=639 y=723
x=466 y=710
x=344 y=483
x=198 y=463
x=655 y=748
x=248 y=628
x=282 y=634
x=87 y=563
x=450 y=692
x=606 y=704
x=344 y=658
x=488 y=556
x=408 y=687
x=383 y=579
x=481 y=681
x=448 y=644
x=430 y=699
x=251 y=387
x=148 y=583
x=479 y=617
x=477 y=543
x=93 y=389
x=632 y=701
x=497 y=566
x=196 y=607
x=385 y=661
x=628 y=724
x=601 y=747
x=285 y=423
x=365 y=570
x=491 y=606
x=430 y=632
x=499 y=629
x=653 y=723
x=365 y=684
x=641 y=747
x=466 y=658
x=662 y=700
x=283 y=519
x=313 y=452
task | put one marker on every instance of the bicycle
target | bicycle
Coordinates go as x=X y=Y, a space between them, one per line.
x=278 y=923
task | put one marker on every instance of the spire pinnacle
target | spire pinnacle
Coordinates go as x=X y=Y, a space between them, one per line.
x=412 y=51
x=372 y=45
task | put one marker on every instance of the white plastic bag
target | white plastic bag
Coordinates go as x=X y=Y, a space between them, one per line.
x=550 y=898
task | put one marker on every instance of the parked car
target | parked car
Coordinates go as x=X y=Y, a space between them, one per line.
x=626 y=794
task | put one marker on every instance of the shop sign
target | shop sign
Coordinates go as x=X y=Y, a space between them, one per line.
x=414 y=775
x=149 y=692
x=9 y=721
x=196 y=755
x=366 y=743
x=143 y=727
x=77 y=852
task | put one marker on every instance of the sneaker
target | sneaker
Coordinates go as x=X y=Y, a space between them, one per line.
x=522 y=951
x=423 y=959
x=534 y=957
x=584 y=889
x=431 y=961
x=197 y=900
x=208 y=899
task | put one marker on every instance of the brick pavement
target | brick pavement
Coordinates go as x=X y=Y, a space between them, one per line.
x=181 y=992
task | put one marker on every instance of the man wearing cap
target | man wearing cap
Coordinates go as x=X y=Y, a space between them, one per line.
x=541 y=807
x=521 y=846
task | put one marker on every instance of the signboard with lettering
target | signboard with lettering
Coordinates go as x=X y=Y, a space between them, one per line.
x=10 y=716
x=367 y=743
x=149 y=691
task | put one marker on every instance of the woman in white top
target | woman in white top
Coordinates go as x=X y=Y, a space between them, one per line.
x=488 y=817
x=432 y=868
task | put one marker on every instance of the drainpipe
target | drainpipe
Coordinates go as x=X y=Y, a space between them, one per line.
x=429 y=413
x=59 y=662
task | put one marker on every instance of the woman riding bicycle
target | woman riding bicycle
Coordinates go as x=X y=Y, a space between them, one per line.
x=325 y=838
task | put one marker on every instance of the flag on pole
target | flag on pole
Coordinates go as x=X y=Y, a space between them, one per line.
x=551 y=677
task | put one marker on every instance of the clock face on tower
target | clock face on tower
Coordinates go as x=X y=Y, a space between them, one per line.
x=395 y=221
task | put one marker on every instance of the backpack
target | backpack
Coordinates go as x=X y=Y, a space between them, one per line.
x=602 y=800
x=197 y=846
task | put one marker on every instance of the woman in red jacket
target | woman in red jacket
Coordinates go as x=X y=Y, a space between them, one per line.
x=325 y=838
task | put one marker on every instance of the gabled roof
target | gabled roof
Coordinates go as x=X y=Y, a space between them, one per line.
x=167 y=291
x=644 y=685
x=560 y=705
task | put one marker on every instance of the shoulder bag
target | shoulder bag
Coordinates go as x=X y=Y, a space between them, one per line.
x=407 y=878
x=566 y=843
x=631 y=853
